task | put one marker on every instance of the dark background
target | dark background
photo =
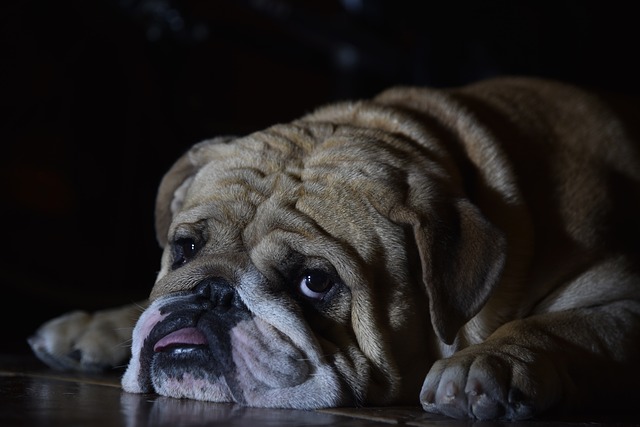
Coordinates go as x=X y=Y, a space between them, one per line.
x=100 y=97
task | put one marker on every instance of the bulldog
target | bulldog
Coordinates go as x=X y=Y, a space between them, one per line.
x=474 y=250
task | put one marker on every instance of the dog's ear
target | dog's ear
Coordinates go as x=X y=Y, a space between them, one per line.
x=176 y=182
x=462 y=259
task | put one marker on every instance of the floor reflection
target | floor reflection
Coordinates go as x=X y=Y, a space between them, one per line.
x=164 y=411
x=50 y=399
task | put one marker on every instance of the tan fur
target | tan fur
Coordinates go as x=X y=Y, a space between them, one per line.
x=486 y=237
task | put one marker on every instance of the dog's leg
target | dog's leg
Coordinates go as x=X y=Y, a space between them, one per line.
x=541 y=362
x=88 y=342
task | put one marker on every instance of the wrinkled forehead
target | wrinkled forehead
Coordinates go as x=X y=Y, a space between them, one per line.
x=234 y=194
x=311 y=169
x=244 y=191
x=251 y=169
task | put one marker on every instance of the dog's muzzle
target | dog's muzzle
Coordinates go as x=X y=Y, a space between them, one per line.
x=206 y=344
x=189 y=345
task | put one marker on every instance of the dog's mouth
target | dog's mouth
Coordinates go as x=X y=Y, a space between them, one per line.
x=179 y=332
x=191 y=324
x=193 y=330
x=182 y=341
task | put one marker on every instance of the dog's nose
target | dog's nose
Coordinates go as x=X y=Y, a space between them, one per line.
x=219 y=292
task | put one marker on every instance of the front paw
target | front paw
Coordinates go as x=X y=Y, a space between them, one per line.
x=489 y=382
x=80 y=341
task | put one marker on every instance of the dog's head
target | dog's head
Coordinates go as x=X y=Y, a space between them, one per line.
x=312 y=264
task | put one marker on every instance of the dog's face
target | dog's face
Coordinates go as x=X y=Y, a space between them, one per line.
x=306 y=266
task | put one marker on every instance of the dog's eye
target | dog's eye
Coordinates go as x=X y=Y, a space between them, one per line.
x=315 y=284
x=184 y=249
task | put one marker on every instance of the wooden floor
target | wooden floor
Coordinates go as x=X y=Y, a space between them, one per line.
x=32 y=395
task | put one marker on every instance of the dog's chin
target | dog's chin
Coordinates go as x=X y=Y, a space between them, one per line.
x=185 y=372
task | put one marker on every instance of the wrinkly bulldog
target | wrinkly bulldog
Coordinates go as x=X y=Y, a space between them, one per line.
x=474 y=250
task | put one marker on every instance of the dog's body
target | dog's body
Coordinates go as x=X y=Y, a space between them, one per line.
x=486 y=238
